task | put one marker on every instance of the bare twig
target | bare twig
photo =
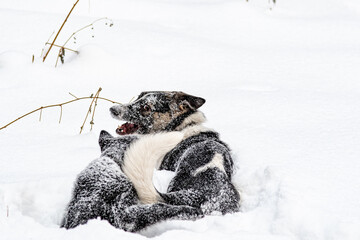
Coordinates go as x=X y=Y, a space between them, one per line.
x=73 y=95
x=40 y=114
x=60 y=30
x=55 y=45
x=89 y=111
x=61 y=55
x=42 y=50
x=74 y=33
x=57 y=59
x=87 y=26
x=60 y=113
x=55 y=105
x=92 y=118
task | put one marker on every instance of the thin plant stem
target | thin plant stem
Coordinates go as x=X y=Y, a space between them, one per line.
x=60 y=114
x=73 y=95
x=54 y=105
x=57 y=59
x=73 y=34
x=92 y=118
x=40 y=114
x=42 y=51
x=55 y=45
x=89 y=111
x=87 y=26
x=60 y=30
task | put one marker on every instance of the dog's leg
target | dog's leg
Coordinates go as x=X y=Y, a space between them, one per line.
x=188 y=197
x=82 y=208
x=138 y=217
x=95 y=188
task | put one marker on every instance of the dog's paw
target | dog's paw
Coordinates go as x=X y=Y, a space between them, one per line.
x=192 y=213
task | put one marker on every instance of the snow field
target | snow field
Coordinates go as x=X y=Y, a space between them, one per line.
x=281 y=87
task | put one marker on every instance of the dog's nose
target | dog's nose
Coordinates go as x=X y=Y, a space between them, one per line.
x=114 y=111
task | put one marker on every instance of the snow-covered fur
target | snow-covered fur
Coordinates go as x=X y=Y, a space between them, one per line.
x=103 y=190
x=203 y=167
x=201 y=161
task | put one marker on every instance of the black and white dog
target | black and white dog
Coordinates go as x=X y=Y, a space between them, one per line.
x=163 y=130
x=103 y=190
x=202 y=162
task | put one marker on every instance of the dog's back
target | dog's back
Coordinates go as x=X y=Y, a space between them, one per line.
x=204 y=168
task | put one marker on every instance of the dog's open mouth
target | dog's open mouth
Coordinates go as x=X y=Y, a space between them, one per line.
x=127 y=128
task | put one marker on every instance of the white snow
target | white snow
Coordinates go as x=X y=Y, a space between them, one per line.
x=282 y=87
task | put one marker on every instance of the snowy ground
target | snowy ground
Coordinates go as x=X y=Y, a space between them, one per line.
x=282 y=88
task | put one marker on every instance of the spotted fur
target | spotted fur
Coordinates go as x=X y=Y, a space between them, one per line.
x=202 y=163
x=103 y=190
x=158 y=111
x=113 y=190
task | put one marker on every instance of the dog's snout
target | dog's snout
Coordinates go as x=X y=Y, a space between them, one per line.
x=115 y=111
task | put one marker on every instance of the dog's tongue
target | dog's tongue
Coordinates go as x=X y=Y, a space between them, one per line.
x=127 y=128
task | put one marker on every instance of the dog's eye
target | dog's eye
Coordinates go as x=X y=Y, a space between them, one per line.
x=146 y=108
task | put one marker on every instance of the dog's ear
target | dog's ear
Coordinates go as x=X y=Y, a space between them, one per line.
x=192 y=101
x=104 y=139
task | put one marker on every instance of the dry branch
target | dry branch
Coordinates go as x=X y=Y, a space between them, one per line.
x=55 y=45
x=89 y=111
x=60 y=114
x=87 y=26
x=74 y=33
x=73 y=95
x=62 y=47
x=96 y=97
x=60 y=30
x=93 y=115
x=42 y=51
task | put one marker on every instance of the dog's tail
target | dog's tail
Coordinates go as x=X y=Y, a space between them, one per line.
x=143 y=156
